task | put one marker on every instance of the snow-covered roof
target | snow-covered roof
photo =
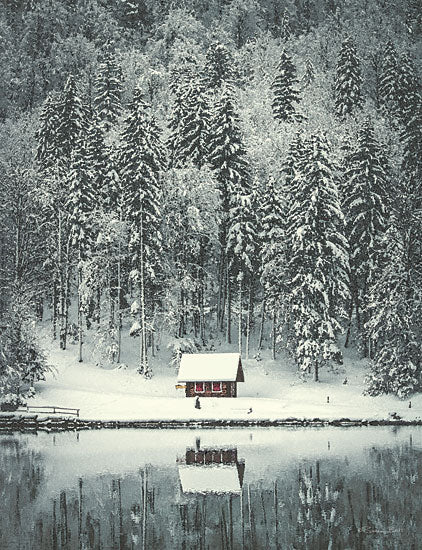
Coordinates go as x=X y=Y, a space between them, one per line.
x=210 y=367
x=215 y=478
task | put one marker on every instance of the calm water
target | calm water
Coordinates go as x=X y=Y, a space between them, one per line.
x=210 y=489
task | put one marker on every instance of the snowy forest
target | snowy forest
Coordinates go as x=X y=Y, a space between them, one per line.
x=242 y=170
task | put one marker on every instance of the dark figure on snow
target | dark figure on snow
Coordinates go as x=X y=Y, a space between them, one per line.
x=197 y=403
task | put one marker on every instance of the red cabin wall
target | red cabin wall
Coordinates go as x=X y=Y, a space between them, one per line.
x=228 y=389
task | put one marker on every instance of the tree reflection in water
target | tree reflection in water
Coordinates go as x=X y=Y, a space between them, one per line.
x=325 y=503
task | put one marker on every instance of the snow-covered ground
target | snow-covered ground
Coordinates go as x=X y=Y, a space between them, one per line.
x=271 y=388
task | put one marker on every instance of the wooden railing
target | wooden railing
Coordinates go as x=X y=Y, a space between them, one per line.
x=48 y=409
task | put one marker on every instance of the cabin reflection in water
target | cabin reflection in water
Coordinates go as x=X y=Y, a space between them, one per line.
x=210 y=470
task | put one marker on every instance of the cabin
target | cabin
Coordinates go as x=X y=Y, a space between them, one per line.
x=210 y=374
x=211 y=470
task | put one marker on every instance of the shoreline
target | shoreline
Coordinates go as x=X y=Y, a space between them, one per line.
x=34 y=423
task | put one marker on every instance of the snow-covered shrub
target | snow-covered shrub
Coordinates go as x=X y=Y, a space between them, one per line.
x=106 y=346
x=22 y=362
x=72 y=331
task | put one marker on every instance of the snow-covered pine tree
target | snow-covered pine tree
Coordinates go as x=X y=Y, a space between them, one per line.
x=47 y=135
x=242 y=242
x=285 y=27
x=73 y=119
x=190 y=218
x=395 y=321
x=227 y=158
x=284 y=90
x=316 y=250
x=108 y=86
x=409 y=88
x=411 y=135
x=63 y=122
x=219 y=67
x=348 y=80
x=194 y=126
x=366 y=207
x=97 y=159
x=80 y=205
x=272 y=216
x=133 y=13
x=388 y=79
x=180 y=79
x=309 y=74
x=141 y=162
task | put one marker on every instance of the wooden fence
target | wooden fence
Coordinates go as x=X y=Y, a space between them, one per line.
x=47 y=409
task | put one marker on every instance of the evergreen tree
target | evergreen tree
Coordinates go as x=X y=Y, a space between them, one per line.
x=388 y=80
x=133 y=13
x=108 y=85
x=48 y=139
x=284 y=90
x=272 y=216
x=285 y=27
x=97 y=159
x=242 y=242
x=309 y=74
x=180 y=79
x=412 y=155
x=64 y=121
x=348 y=81
x=409 y=89
x=80 y=206
x=366 y=205
x=228 y=159
x=73 y=119
x=395 y=322
x=142 y=161
x=194 y=126
x=219 y=67
x=317 y=259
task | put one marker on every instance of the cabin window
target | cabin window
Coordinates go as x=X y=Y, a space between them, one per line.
x=199 y=387
x=216 y=386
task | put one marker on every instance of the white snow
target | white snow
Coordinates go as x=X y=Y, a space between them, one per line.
x=208 y=367
x=272 y=389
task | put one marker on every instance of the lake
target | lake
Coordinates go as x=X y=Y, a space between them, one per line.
x=281 y=488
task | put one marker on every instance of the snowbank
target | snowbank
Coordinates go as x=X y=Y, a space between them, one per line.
x=271 y=389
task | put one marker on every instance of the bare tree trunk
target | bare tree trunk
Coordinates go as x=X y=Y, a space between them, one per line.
x=181 y=314
x=240 y=315
x=229 y=309
x=79 y=304
x=316 y=372
x=349 y=324
x=274 y=334
x=201 y=312
x=143 y=367
x=55 y=306
x=261 y=325
x=62 y=293
x=98 y=307
x=222 y=287
x=249 y=321
x=66 y=294
x=118 y=306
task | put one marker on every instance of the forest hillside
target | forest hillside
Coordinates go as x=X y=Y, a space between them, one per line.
x=246 y=172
